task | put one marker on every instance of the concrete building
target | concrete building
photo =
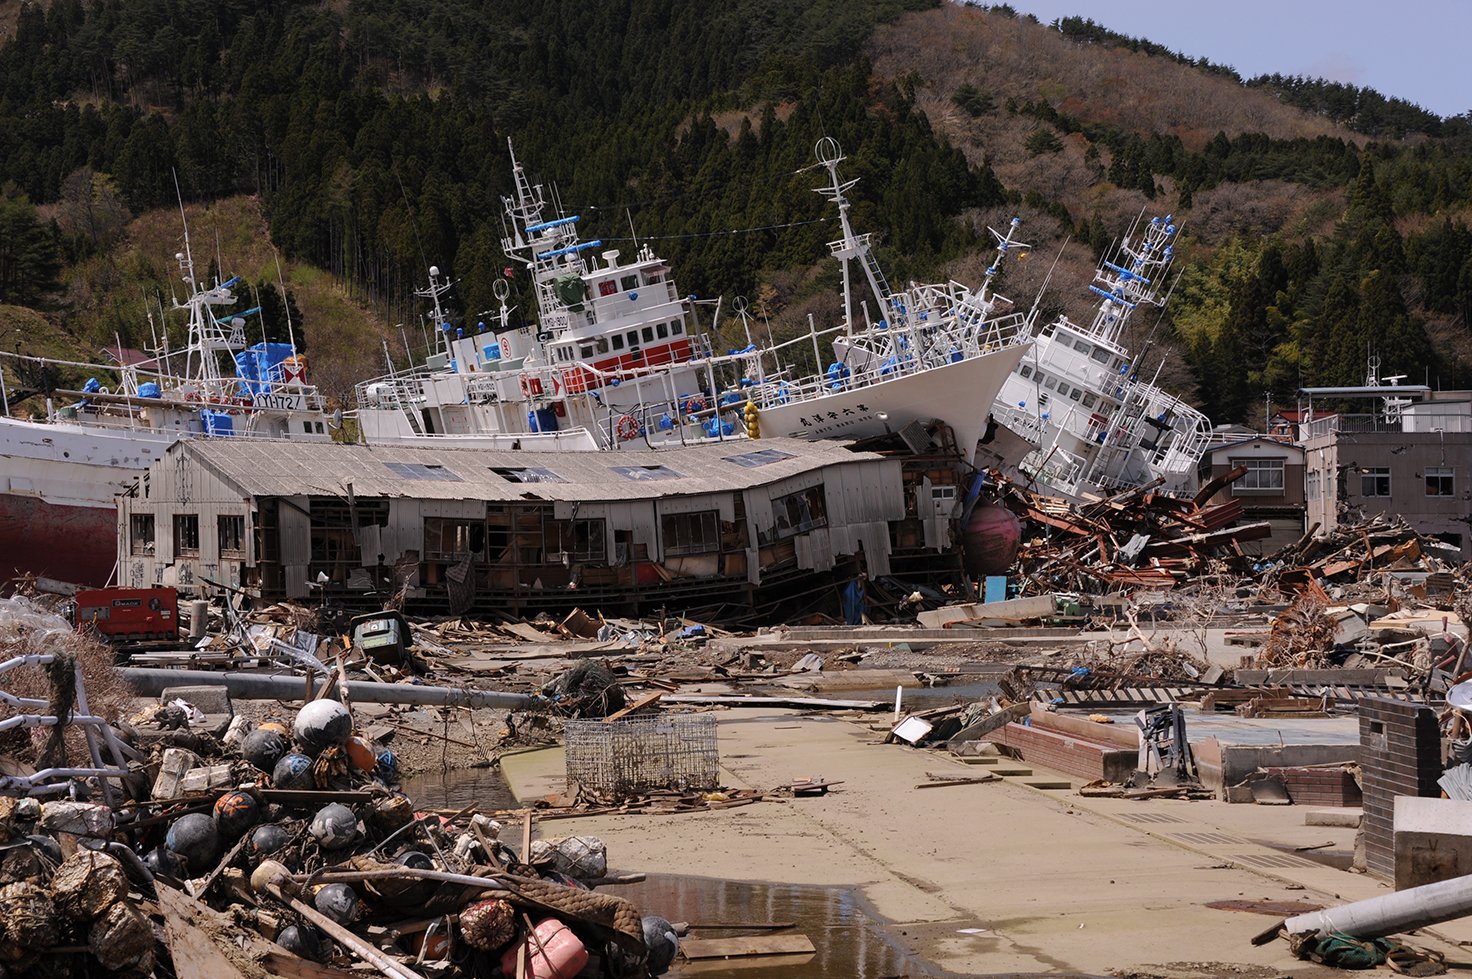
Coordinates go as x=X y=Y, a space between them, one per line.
x=1271 y=489
x=1406 y=452
x=742 y=524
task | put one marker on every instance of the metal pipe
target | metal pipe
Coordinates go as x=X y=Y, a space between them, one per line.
x=150 y=682
x=1389 y=914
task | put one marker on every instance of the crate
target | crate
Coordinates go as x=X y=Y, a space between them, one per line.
x=635 y=755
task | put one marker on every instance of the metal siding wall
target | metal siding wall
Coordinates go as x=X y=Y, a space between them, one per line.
x=876 y=548
x=759 y=510
x=720 y=502
x=296 y=544
x=405 y=529
x=820 y=550
x=457 y=509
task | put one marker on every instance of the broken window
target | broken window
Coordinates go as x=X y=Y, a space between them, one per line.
x=432 y=472
x=798 y=513
x=232 y=536
x=576 y=540
x=690 y=533
x=761 y=457
x=531 y=474
x=1440 y=481
x=452 y=539
x=640 y=473
x=140 y=534
x=186 y=535
x=1375 y=481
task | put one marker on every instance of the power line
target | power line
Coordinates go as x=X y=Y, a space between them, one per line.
x=732 y=231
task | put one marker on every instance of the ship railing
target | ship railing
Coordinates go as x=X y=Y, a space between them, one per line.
x=1055 y=467
x=1417 y=421
x=1021 y=422
x=392 y=392
x=878 y=354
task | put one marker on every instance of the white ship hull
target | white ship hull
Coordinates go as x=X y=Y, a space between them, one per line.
x=959 y=394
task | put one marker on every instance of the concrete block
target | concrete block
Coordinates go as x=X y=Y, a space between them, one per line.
x=1239 y=794
x=1009 y=612
x=205 y=779
x=1346 y=818
x=175 y=764
x=1432 y=841
x=213 y=701
x=209 y=699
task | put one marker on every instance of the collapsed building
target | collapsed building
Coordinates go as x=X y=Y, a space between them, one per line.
x=740 y=525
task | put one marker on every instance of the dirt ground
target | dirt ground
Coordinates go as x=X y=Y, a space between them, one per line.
x=996 y=878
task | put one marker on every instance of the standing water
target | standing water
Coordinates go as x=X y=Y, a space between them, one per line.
x=848 y=941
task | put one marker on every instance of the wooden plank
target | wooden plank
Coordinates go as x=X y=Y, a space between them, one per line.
x=644 y=701
x=193 y=951
x=958 y=781
x=728 y=948
x=283 y=963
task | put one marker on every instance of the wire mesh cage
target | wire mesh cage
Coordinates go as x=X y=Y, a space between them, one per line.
x=632 y=756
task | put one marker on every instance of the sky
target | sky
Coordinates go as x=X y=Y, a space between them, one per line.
x=1415 y=50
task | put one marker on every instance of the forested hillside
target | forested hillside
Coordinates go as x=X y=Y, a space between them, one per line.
x=365 y=140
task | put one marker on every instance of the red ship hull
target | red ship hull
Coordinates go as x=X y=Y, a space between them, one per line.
x=70 y=543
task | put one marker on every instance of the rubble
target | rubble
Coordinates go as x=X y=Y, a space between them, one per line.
x=322 y=855
x=283 y=828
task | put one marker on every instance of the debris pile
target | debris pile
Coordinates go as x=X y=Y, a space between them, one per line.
x=266 y=846
x=1134 y=539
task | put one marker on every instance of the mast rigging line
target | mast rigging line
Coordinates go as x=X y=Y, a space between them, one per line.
x=713 y=234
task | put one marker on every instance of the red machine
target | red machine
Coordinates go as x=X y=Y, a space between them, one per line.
x=129 y=614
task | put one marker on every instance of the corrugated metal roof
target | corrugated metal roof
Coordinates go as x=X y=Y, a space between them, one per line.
x=260 y=467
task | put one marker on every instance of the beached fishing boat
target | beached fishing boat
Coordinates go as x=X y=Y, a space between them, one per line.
x=1090 y=422
x=619 y=357
x=59 y=473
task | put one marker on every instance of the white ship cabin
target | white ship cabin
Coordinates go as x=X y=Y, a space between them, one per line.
x=1094 y=425
x=622 y=318
x=1070 y=380
x=706 y=525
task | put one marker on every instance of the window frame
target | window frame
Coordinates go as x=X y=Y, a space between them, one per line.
x=138 y=544
x=1447 y=473
x=232 y=543
x=691 y=532
x=1370 y=490
x=186 y=528
x=1252 y=483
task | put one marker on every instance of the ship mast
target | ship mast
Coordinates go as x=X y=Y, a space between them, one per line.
x=850 y=246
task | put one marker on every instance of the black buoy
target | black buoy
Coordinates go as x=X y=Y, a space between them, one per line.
x=301 y=940
x=195 y=838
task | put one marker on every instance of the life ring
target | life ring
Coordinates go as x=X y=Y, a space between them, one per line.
x=627 y=428
x=531 y=386
x=694 y=403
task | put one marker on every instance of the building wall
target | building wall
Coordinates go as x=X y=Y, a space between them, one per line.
x=1337 y=464
x=1283 y=508
x=310 y=537
x=167 y=490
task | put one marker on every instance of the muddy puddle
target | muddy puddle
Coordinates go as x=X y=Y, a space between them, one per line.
x=925 y=697
x=848 y=941
x=484 y=788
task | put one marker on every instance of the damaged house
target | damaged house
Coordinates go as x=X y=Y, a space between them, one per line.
x=737 y=525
